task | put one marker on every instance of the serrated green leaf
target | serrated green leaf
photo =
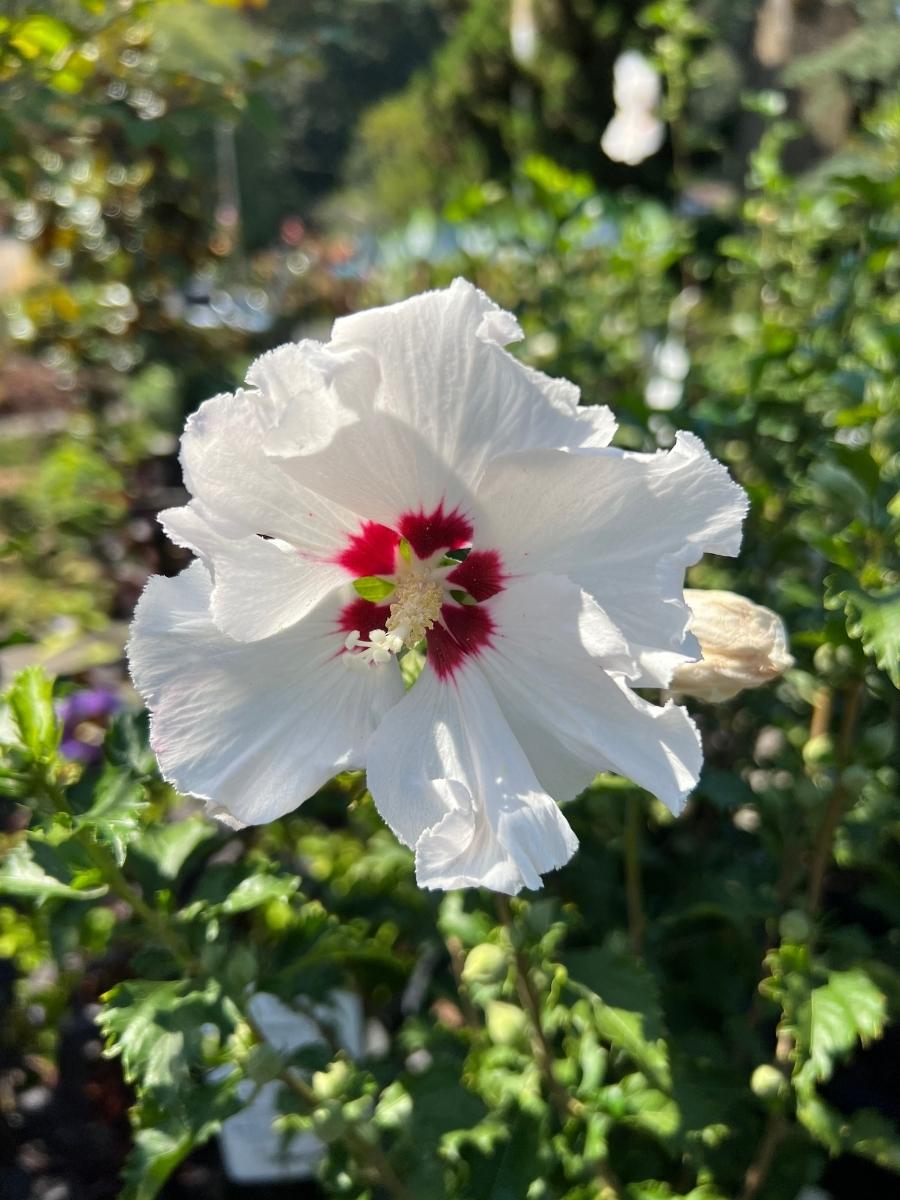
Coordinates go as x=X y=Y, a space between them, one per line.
x=165 y=1137
x=114 y=817
x=30 y=702
x=874 y=619
x=155 y=1153
x=156 y=1028
x=847 y=1009
x=21 y=875
x=129 y=1021
x=370 y=587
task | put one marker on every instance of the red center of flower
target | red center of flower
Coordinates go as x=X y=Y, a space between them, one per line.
x=464 y=626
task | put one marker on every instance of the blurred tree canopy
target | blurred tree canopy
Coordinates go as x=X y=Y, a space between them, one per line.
x=478 y=107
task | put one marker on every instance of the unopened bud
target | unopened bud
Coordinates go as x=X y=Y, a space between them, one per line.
x=506 y=1024
x=486 y=964
x=768 y=1083
x=330 y=1083
x=743 y=644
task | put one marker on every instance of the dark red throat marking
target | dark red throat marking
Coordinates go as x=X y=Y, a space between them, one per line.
x=429 y=532
x=469 y=629
x=372 y=551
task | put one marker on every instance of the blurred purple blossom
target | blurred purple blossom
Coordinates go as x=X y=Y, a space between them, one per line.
x=93 y=706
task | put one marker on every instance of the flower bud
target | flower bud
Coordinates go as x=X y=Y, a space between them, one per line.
x=506 y=1024
x=330 y=1083
x=485 y=964
x=768 y=1083
x=795 y=926
x=743 y=644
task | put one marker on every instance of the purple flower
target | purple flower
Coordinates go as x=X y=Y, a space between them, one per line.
x=83 y=715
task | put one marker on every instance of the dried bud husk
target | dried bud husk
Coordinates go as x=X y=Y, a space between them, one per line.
x=744 y=645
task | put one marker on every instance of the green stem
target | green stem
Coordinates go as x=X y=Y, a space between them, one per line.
x=758 y=1171
x=368 y=1153
x=834 y=810
x=155 y=921
x=634 y=896
x=115 y=879
x=566 y=1106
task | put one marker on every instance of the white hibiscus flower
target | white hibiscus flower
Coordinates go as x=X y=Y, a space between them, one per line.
x=412 y=483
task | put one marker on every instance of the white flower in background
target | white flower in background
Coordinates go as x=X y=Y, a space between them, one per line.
x=411 y=482
x=635 y=131
x=744 y=645
x=523 y=32
x=671 y=364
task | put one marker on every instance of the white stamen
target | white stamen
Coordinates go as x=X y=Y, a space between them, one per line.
x=380 y=647
x=417 y=605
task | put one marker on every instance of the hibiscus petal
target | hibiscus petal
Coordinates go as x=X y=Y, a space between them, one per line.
x=307 y=392
x=260 y=586
x=255 y=729
x=450 y=779
x=380 y=468
x=551 y=664
x=624 y=527
x=226 y=467
x=445 y=373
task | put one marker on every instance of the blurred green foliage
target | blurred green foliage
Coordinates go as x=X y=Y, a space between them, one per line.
x=687 y=1010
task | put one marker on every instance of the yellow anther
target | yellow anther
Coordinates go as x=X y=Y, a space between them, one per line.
x=416 y=607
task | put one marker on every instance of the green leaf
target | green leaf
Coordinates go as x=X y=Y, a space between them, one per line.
x=155 y=1153
x=651 y=1109
x=20 y=875
x=165 y=1136
x=130 y=1022
x=513 y=1164
x=127 y=745
x=865 y=1132
x=625 y=1031
x=156 y=1028
x=168 y=847
x=114 y=817
x=627 y=1012
x=847 y=1009
x=370 y=587
x=654 y=1189
x=873 y=618
x=30 y=701
x=257 y=890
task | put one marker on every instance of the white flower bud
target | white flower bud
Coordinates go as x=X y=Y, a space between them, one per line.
x=635 y=131
x=631 y=136
x=743 y=644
